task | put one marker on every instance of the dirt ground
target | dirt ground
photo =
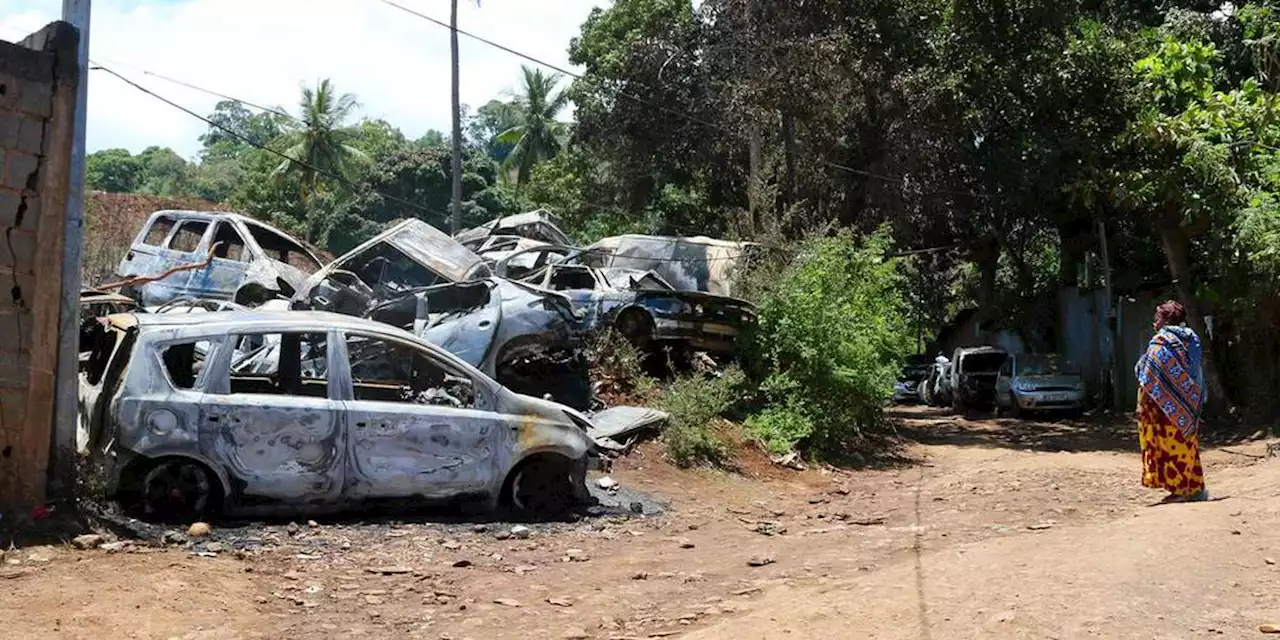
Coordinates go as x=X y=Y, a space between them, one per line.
x=996 y=529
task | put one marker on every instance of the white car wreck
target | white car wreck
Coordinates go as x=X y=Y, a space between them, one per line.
x=183 y=421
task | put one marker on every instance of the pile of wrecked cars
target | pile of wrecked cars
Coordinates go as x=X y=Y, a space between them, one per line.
x=233 y=373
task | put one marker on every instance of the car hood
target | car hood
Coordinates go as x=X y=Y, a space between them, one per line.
x=1038 y=382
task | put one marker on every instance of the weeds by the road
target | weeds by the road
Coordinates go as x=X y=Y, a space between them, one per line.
x=694 y=402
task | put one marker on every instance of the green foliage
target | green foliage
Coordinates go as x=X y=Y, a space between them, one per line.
x=619 y=366
x=831 y=340
x=535 y=135
x=113 y=171
x=695 y=401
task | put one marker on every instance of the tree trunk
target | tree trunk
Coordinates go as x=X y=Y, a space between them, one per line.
x=789 y=150
x=455 y=208
x=1177 y=250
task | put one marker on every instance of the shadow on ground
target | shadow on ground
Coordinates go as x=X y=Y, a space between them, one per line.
x=1115 y=431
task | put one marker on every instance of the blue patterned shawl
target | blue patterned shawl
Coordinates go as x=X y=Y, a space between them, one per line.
x=1169 y=374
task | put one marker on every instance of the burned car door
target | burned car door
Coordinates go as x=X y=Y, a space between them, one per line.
x=275 y=426
x=220 y=279
x=416 y=425
x=581 y=286
x=178 y=242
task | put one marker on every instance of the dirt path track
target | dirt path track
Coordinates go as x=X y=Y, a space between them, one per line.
x=1004 y=530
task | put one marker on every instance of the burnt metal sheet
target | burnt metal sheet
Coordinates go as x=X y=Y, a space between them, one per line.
x=540 y=225
x=696 y=263
x=620 y=422
x=434 y=249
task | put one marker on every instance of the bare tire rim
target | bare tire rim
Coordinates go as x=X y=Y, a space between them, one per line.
x=539 y=489
x=177 y=488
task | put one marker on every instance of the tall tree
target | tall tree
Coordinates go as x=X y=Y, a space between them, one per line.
x=320 y=146
x=538 y=136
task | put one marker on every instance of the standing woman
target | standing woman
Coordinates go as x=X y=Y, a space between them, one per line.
x=1170 y=398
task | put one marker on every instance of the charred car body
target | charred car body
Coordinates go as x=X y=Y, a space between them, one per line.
x=973 y=377
x=185 y=418
x=689 y=263
x=418 y=278
x=247 y=262
x=646 y=309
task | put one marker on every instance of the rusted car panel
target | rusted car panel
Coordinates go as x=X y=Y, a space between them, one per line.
x=355 y=410
x=409 y=255
x=95 y=304
x=694 y=263
x=247 y=261
x=645 y=308
x=541 y=225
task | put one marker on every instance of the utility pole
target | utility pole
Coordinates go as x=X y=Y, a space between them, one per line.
x=755 y=142
x=66 y=383
x=455 y=208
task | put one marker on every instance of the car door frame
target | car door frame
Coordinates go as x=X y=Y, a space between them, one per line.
x=474 y=476
x=220 y=424
x=222 y=277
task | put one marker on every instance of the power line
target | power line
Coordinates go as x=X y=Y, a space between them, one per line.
x=681 y=114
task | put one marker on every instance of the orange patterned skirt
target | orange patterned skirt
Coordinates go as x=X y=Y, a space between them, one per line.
x=1170 y=459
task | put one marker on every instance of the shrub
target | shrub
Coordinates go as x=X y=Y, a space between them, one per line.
x=617 y=366
x=831 y=339
x=694 y=401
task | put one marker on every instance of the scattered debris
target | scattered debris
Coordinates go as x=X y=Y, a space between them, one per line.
x=559 y=602
x=791 y=461
x=576 y=555
x=507 y=602
x=685 y=543
x=521 y=532
x=576 y=634
x=199 y=530
x=462 y=564
x=115 y=547
x=747 y=591
x=1040 y=526
x=1269 y=560
x=389 y=571
x=87 y=541
x=607 y=483
x=640 y=575
x=760 y=561
x=1269 y=628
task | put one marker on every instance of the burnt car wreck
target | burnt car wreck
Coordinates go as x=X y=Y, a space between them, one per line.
x=419 y=279
x=213 y=256
x=646 y=309
x=187 y=417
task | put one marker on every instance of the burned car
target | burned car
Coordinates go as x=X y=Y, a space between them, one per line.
x=235 y=258
x=973 y=377
x=1039 y=382
x=907 y=388
x=646 y=309
x=541 y=226
x=695 y=263
x=409 y=256
x=528 y=339
x=415 y=277
x=95 y=304
x=351 y=411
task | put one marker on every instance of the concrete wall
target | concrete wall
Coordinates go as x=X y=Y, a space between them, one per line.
x=38 y=81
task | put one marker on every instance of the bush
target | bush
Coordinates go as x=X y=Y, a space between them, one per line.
x=694 y=401
x=831 y=340
x=618 y=367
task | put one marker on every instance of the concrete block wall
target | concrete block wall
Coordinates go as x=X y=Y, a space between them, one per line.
x=38 y=80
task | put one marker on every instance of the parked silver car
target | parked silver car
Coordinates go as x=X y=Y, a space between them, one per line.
x=191 y=414
x=1039 y=382
x=250 y=262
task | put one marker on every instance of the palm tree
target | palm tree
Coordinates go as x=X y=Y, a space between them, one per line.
x=318 y=148
x=539 y=136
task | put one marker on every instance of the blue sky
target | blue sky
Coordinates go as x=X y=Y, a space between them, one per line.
x=264 y=50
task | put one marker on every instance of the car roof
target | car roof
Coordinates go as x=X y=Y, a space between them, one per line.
x=218 y=321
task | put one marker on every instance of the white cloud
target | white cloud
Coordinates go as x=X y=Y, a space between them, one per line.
x=264 y=50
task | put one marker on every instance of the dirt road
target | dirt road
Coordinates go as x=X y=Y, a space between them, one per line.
x=999 y=529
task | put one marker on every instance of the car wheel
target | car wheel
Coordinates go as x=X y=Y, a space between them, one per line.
x=179 y=489
x=541 y=487
x=635 y=326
